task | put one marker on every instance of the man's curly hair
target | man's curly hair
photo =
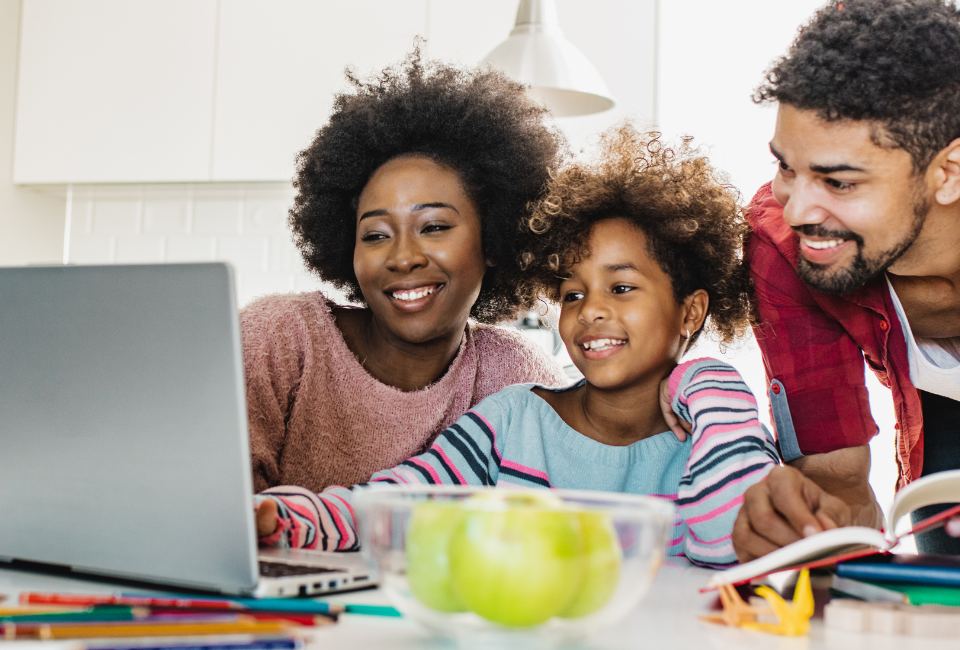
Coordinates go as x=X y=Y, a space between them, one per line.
x=896 y=62
x=475 y=121
x=691 y=219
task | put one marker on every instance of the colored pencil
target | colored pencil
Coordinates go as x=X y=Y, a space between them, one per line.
x=274 y=605
x=40 y=609
x=89 y=600
x=103 y=614
x=140 y=629
x=310 y=620
x=200 y=644
x=373 y=610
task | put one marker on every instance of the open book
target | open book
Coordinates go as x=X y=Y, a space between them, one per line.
x=832 y=546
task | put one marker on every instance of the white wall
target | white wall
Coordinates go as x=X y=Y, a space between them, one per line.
x=712 y=56
x=31 y=223
x=244 y=222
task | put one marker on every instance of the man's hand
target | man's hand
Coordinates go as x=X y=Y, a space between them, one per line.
x=679 y=427
x=266 y=518
x=784 y=507
x=817 y=493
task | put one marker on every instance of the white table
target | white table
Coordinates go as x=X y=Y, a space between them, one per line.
x=666 y=618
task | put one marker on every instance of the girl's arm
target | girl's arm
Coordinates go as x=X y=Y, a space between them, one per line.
x=464 y=454
x=730 y=452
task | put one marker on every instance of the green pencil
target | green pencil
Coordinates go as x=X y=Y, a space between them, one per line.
x=101 y=614
x=372 y=610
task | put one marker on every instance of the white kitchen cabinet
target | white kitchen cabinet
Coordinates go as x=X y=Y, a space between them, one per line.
x=115 y=91
x=280 y=64
x=143 y=91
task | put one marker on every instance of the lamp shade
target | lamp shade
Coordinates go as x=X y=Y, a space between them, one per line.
x=537 y=54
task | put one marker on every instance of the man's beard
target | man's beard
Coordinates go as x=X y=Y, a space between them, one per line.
x=861 y=270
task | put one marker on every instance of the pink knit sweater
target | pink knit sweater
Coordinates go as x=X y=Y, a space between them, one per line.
x=318 y=418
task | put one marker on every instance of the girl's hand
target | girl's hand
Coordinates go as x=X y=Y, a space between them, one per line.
x=266 y=518
x=679 y=427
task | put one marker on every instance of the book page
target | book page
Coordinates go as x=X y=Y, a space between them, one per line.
x=942 y=487
x=836 y=542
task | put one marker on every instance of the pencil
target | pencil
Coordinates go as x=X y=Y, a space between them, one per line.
x=89 y=600
x=273 y=605
x=208 y=643
x=310 y=620
x=40 y=609
x=373 y=610
x=152 y=628
x=93 y=615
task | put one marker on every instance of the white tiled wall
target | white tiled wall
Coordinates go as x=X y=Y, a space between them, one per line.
x=244 y=224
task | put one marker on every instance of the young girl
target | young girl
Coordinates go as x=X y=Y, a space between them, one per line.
x=639 y=249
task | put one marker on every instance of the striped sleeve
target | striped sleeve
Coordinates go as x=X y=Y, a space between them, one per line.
x=466 y=453
x=730 y=452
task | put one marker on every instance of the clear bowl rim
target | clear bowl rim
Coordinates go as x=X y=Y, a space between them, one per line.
x=385 y=493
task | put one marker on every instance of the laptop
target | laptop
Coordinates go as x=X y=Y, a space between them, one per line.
x=123 y=433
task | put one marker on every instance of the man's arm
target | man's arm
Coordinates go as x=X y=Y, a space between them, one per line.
x=820 y=404
x=811 y=494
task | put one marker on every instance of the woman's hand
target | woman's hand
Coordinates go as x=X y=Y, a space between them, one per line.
x=266 y=518
x=679 y=427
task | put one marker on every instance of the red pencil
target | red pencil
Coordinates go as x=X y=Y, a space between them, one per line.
x=87 y=600
x=310 y=620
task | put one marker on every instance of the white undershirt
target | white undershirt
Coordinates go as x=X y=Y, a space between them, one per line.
x=934 y=363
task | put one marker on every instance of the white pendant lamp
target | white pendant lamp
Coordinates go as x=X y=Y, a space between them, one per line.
x=539 y=55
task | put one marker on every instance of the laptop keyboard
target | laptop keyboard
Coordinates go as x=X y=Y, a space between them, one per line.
x=281 y=570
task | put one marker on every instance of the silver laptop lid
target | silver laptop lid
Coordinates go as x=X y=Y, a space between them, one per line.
x=123 y=428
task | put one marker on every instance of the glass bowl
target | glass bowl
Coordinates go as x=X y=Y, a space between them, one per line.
x=504 y=567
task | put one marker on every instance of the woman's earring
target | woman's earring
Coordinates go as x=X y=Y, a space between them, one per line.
x=688 y=334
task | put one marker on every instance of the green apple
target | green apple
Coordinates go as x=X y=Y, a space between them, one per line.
x=601 y=557
x=428 y=567
x=516 y=560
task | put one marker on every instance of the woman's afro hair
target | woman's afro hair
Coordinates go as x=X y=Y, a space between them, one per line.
x=896 y=62
x=694 y=227
x=475 y=121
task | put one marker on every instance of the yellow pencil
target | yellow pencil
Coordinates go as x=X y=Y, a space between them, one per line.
x=151 y=629
x=41 y=609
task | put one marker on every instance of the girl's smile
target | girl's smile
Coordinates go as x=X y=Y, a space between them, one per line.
x=601 y=347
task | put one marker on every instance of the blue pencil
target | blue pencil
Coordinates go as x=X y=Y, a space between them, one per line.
x=259 y=644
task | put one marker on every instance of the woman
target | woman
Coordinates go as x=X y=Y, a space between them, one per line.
x=410 y=199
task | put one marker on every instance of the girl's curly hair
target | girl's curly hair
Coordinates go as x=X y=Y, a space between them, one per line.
x=475 y=121
x=691 y=218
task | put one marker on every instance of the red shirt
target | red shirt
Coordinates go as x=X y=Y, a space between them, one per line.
x=814 y=346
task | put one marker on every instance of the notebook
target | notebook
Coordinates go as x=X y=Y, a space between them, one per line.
x=124 y=433
x=832 y=546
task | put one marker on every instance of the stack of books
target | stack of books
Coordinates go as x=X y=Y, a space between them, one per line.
x=907 y=579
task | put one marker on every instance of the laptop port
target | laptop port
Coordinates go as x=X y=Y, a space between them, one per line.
x=332 y=584
x=318 y=585
x=303 y=590
x=359 y=578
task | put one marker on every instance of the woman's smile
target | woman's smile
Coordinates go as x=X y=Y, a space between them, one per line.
x=416 y=298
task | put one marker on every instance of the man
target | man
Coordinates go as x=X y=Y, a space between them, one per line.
x=856 y=255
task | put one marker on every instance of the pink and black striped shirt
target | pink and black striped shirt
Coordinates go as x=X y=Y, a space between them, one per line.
x=515 y=438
